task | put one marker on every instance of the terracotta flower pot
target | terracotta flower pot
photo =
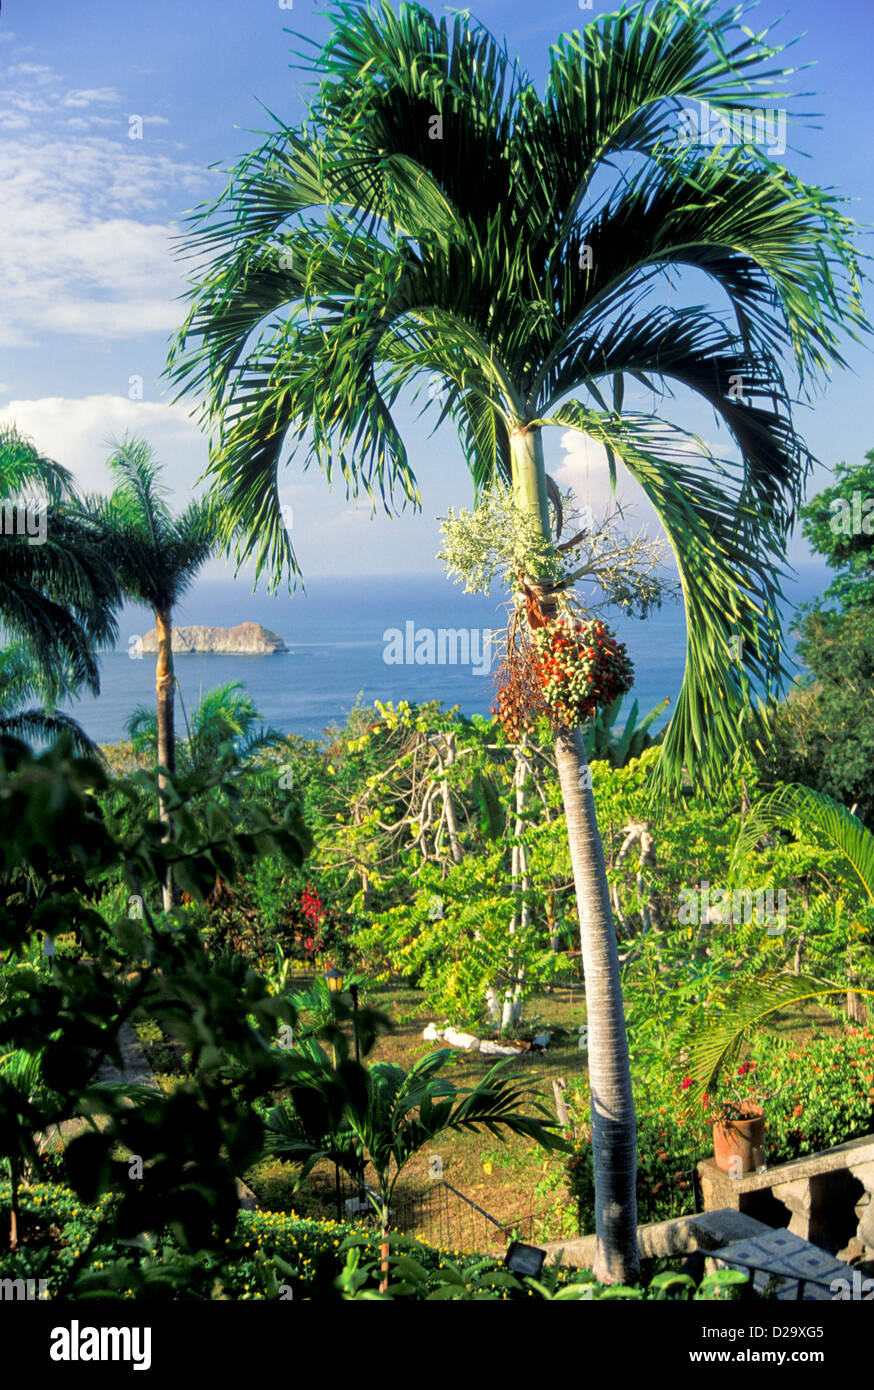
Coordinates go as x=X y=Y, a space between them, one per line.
x=742 y=1138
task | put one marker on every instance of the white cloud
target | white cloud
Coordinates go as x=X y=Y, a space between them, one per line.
x=23 y=101
x=350 y=519
x=73 y=258
x=90 y=122
x=76 y=433
x=585 y=471
x=39 y=72
x=89 y=95
x=583 y=467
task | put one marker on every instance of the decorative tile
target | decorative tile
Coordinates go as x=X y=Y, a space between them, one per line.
x=783 y=1254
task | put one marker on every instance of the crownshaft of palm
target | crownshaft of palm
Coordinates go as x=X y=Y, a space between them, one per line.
x=479 y=249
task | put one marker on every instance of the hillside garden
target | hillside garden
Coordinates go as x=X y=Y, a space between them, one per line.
x=644 y=927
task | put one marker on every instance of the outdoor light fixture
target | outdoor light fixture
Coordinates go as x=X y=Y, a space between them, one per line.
x=335 y=980
x=524 y=1259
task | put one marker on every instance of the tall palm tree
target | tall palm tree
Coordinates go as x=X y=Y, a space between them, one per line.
x=436 y=214
x=57 y=590
x=156 y=557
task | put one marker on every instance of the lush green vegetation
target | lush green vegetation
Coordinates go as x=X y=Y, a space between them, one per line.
x=689 y=917
x=275 y=878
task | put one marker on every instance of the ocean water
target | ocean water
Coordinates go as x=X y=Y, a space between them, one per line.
x=336 y=635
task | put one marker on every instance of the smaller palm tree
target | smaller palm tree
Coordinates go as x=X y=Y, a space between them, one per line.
x=385 y=1115
x=225 y=714
x=156 y=557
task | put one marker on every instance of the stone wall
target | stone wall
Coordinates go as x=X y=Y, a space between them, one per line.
x=825 y=1198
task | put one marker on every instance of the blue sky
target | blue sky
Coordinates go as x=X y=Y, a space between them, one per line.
x=88 y=285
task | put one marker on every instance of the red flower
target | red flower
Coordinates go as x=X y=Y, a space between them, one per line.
x=685 y=1083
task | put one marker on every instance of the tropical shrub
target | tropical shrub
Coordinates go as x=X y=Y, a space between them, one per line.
x=57 y=844
x=280 y=1256
x=454 y=939
x=820 y=1093
x=826 y=1095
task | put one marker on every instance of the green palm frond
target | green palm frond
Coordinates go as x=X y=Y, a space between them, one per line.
x=57 y=599
x=727 y=544
x=812 y=817
x=388 y=1114
x=712 y=1047
x=57 y=590
x=25 y=471
x=22 y=680
x=155 y=555
x=141 y=727
x=227 y=714
x=224 y=714
x=427 y=220
x=36 y=726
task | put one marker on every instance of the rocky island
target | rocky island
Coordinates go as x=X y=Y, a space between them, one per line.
x=247 y=639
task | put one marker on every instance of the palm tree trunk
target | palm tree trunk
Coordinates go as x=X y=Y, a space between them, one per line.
x=164 y=686
x=614 y=1130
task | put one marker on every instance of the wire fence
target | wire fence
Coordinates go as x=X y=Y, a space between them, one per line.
x=440 y=1215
